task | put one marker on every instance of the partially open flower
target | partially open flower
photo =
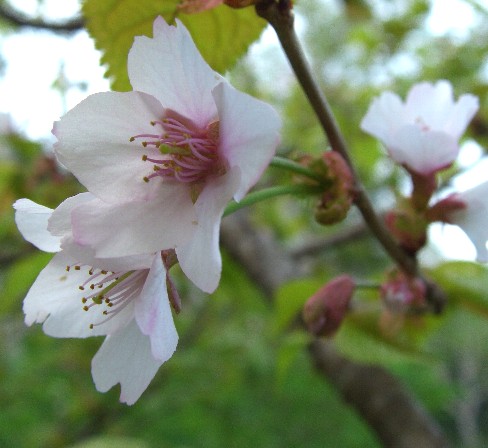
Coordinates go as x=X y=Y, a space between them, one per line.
x=422 y=133
x=78 y=295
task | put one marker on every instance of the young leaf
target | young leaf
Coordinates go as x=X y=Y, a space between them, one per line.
x=221 y=34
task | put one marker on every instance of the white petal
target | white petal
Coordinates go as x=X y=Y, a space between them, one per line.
x=423 y=152
x=385 y=115
x=474 y=218
x=460 y=115
x=93 y=143
x=55 y=299
x=136 y=227
x=32 y=220
x=431 y=103
x=60 y=221
x=170 y=68
x=153 y=313
x=249 y=134
x=125 y=357
x=200 y=258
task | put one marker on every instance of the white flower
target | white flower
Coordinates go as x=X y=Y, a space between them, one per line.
x=78 y=295
x=203 y=143
x=422 y=133
x=473 y=219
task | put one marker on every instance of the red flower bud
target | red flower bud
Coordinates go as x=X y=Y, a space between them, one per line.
x=324 y=311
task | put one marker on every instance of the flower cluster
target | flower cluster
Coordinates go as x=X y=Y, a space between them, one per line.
x=160 y=164
x=422 y=134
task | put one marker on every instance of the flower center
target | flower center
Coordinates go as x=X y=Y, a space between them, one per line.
x=182 y=152
x=109 y=292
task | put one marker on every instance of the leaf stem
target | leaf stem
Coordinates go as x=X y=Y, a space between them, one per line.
x=279 y=14
x=290 y=165
x=268 y=193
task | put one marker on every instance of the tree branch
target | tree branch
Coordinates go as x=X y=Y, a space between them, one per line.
x=280 y=16
x=18 y=19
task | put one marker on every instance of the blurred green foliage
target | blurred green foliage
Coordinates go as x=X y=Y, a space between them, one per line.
x=241 y=375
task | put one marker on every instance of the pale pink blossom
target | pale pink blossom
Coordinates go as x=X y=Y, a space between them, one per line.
x=166 y=158
x=423 y=132
x=473 y=218
x=78 y=295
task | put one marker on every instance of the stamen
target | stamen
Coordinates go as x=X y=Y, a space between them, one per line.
x=190 y=154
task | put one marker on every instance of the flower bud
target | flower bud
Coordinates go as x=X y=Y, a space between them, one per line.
x=408 y=227
x=324 y=311
x=336 y=200
x=401 y=292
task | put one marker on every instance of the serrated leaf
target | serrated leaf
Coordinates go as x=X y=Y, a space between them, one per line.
x=465 y=283
x=221 y=34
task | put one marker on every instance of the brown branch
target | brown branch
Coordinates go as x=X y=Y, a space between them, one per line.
x=376 y=395
x=18 y=19
x=280 y=16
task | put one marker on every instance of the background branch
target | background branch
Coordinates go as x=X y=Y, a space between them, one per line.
x=18 y=19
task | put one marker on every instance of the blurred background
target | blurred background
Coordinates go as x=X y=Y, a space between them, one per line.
x=242 y=375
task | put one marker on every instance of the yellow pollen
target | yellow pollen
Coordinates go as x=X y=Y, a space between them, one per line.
x=84 y=300
x=85 y=308
x=144 y=157
x=77 y=268
x=81 y=288
x=131 y=139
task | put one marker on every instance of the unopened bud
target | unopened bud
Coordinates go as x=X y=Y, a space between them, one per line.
x=409 y=228
x=401 y=292
x=337 y=199
x=324 y=312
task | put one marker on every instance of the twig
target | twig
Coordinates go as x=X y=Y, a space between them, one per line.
x=280 y=16
x=18 y=19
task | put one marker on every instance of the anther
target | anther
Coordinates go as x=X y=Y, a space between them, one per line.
x=131 y=139
x=81 y=288
x=86 y=308
x=77 y=268
x=144 y=157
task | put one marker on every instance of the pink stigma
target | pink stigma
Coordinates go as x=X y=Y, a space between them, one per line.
x=182 y=152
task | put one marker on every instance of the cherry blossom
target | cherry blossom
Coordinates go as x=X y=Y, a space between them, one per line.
x=423 y=133
x=78 y=295
x=473 y=217
x=166 y=158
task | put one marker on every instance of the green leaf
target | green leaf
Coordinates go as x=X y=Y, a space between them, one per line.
x=465 y=283
x=221 y=34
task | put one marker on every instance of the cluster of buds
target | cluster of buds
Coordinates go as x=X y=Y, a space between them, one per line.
x=337 y=182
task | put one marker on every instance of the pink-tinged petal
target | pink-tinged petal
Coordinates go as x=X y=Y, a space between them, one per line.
x=249 y=134
x=423 y=152
x=385 y=115
x=431 y=103
x=125 y=357
x=153 y=313
x=200 y=258
x=473 y=219
x=32 y=221
x=460 y=115
x=170 y=68
x=136 y=227
x=93 y=143
x=60 y=221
